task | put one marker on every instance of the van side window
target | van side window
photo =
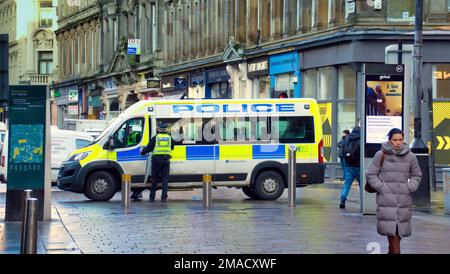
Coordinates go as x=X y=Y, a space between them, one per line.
x=293 y=129
x=130 y=133
x=190 y=131
x=80 y=143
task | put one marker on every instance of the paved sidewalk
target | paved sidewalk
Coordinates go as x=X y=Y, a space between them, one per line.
x=234 y=224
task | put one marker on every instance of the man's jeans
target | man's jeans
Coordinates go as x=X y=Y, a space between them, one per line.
x=342 y=160
x=350 y=174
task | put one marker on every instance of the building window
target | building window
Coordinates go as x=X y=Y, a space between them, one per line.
x=45 y=62
x=346 y=105
x=401 y=10
x=46 y=14
x=309 y=83
x=326 y=83
x=346 y=83
x=441 y=81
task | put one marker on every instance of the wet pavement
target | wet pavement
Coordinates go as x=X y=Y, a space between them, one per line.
x=234 y=224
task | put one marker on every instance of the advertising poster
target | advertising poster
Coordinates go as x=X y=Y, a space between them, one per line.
x=384 y=85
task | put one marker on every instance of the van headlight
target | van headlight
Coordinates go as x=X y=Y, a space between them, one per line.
x=79 y=156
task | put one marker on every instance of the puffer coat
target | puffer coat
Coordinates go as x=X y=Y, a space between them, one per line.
x=399 y=176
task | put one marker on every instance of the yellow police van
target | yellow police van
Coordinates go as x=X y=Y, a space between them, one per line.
x=241 y=143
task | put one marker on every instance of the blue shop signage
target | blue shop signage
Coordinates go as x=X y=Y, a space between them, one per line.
x=283 y=63
x=180 y=83
x=197 y=79
x=217 y=75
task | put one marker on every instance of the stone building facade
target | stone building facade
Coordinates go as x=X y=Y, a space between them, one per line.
x=248 y=49
x=32 y=44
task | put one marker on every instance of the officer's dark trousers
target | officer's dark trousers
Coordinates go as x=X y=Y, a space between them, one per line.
x=160 y=174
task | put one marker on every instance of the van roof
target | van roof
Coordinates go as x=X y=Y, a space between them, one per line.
x=64 y=133
x=144 y=103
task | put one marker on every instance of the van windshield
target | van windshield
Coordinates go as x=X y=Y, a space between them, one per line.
x=114 y=123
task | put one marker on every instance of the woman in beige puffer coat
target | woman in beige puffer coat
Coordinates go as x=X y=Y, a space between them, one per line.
x=394 y=182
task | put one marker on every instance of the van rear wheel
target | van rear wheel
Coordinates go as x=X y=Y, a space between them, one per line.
x=250 y=192
x=100 y=186
x=269 y=185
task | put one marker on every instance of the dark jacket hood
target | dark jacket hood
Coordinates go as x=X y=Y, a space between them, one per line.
x=388 y=149
x=355 y=135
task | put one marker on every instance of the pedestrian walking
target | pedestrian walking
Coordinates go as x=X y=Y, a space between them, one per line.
x=340 y=146
x=161 y=145
x=351 y=150
x=394 y=174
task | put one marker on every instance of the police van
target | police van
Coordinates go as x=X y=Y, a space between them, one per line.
x=241 y=143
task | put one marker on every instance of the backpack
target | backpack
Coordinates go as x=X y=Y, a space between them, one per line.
x=351 y=150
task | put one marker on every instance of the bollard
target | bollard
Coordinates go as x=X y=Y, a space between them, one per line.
x=446 y=182
x=26 y=195
x=31 y=227
x=126 y=190
x=207 y=184
x=292 y=174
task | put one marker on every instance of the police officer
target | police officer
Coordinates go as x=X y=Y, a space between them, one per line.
x=161 y=145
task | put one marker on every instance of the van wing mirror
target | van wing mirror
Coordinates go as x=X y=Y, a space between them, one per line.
x=111 y=144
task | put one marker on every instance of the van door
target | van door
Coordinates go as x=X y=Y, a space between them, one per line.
x=128 y=140
x=194 y=154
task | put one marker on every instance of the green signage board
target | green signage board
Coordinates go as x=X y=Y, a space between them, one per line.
x=26 y=143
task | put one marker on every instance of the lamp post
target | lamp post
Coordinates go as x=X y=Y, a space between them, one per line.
x=422 y=196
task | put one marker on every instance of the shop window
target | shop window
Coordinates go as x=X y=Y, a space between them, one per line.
x=326 y=83
x=401 y=10
x=441 y=81
x=130 y=133
x=309 y=83
x=263 y=87
x=346 y=83
x=346 y=117
x=284 y=83
x=220 y=91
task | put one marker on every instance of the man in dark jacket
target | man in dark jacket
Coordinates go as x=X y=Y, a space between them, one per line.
x=340 y=145
x=351 y=149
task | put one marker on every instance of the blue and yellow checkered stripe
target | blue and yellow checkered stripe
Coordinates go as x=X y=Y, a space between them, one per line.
x=240 y=152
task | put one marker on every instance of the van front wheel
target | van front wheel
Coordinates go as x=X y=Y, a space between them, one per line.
x=100 y=186
x=269 y=185
x=250 y=192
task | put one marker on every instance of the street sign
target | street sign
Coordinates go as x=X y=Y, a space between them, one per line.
x=26 y=147
x=134 y=46
x=73 y=96
x=72 y=109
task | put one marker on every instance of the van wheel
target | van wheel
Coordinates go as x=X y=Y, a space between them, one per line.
x=269 y=185
x=100 y=186
x=250 y=192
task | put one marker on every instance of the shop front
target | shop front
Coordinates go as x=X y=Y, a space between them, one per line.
x=258 y=74
x=174 y=86
x=94 y=102
x=285 y=77
x=196 y=85
x=68 y=103
x=217 y=84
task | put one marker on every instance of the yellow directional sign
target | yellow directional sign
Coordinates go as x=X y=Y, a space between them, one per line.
x=443 y=142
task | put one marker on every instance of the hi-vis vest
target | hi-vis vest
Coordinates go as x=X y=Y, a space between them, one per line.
x=162 y=144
